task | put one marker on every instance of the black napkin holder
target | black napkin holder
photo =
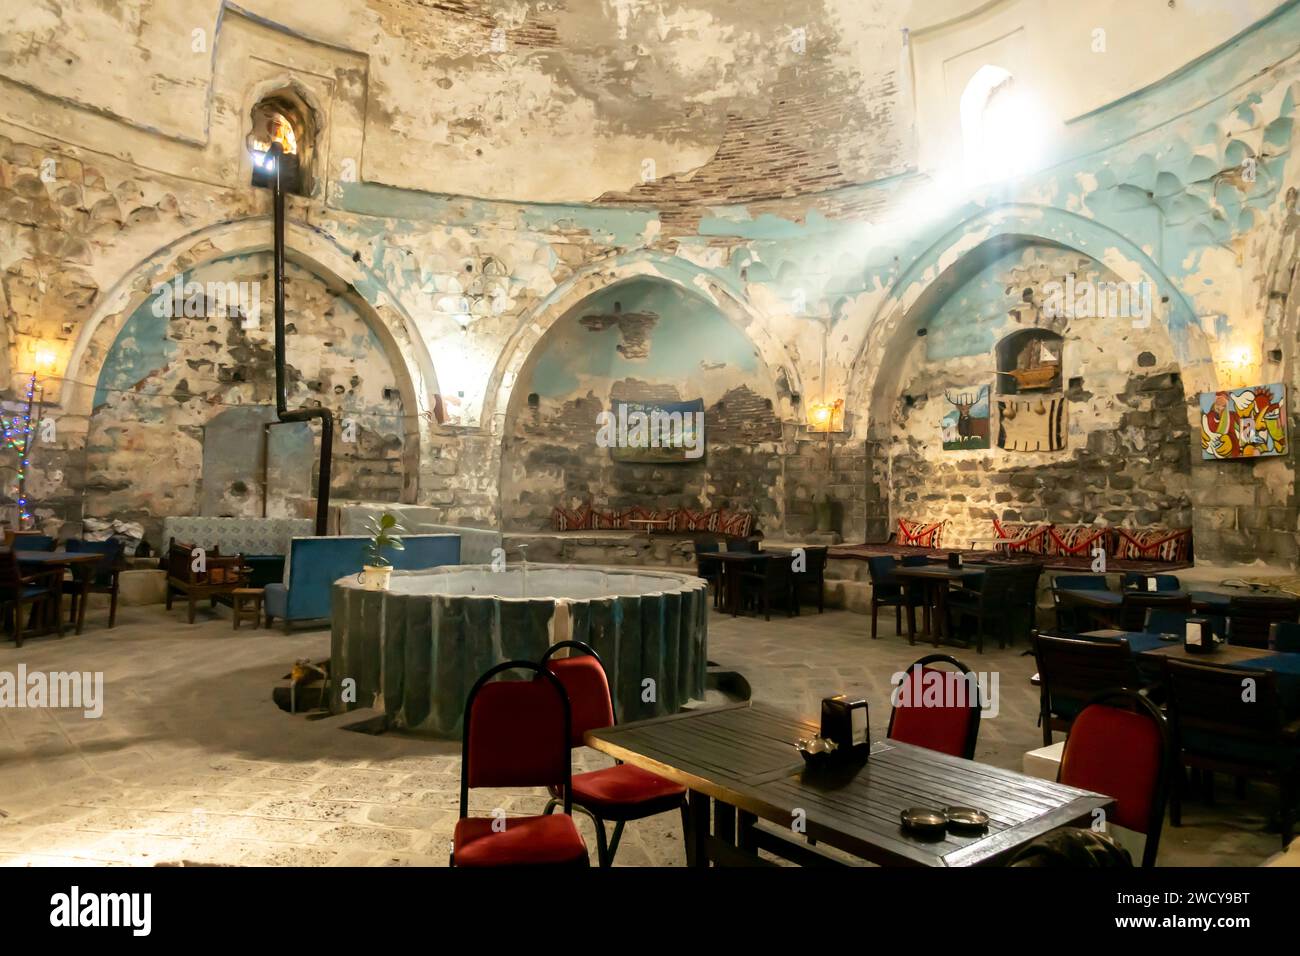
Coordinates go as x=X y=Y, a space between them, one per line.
x=845 y=721
x=1197 y=636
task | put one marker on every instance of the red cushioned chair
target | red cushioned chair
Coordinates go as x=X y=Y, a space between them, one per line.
x=619 y=793
x=517 y=735
x=1119 y=745
x=950 y=728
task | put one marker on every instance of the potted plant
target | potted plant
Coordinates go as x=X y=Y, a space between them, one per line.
x=385 y=535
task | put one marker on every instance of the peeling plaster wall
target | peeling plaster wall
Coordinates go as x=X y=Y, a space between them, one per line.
x=1127 y=461
x=166 y=381
x=808 y=225
x=641 y=341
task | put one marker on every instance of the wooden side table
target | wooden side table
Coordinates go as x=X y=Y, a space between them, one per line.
x=246 y=602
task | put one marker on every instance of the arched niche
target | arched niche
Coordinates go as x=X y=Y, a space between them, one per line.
x=1030 y=360
x=642 y=340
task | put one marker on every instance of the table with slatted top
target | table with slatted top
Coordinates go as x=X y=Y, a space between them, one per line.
x=740 y=766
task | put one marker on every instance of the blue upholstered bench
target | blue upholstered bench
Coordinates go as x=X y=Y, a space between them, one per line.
x=316 y=563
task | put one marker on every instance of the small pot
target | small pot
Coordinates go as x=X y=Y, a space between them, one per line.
x=374 y=578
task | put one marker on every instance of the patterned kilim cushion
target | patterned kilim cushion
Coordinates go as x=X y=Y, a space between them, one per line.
x=1022 y=537
x=577 y=520
x=1153 y=544
x=919 y=535
x=1072 y=540
x=688 y=520
x=671 y=516
x=607 y=520
x=735 y=524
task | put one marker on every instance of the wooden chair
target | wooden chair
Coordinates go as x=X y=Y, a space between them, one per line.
x=222 y=575
x=888 y=591
x=36 y=591
x=771 y=579
x=812 y=577
x=1250 y=616
x=1284 y=637
x=1073 y=671
x=99 y=578
x=1133 y=612
x=1073 y=612
x=992 y=608
x=709 y=568
x=1215 y=730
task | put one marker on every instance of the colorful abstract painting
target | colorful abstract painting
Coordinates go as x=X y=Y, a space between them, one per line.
x=1244 y=422
x=966 y=422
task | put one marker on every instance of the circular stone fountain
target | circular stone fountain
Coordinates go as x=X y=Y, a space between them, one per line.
x=415 y=650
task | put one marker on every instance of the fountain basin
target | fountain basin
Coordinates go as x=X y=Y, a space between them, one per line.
x=415 y=650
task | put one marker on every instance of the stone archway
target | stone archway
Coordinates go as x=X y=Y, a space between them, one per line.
x=774 y=403
x=933 y=273
x=306 y=248
x=964 y=252
x=672 y=269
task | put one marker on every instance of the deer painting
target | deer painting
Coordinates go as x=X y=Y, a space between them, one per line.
x=967 y=424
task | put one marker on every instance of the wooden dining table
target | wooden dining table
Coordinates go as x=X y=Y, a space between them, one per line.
x=935 y=579
x=740 y=766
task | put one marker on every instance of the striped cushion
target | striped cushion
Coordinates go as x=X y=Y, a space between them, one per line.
x=1153 y=544
x=1073 y=540
x=688 y=520
x=734 y=524
x=918 y=535
x=1023 y=537
x=608 y=520
x=577 y=520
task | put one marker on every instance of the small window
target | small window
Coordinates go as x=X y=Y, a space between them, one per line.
x=1001 y=126
x=284 y=120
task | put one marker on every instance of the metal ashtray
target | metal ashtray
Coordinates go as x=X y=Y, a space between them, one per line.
x=924 y=822
x=967 y=818
x=816 y=751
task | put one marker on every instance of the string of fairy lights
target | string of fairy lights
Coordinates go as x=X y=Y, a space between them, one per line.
x=18 y=437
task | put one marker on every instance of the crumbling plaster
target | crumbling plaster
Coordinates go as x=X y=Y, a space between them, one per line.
x=1149 y=186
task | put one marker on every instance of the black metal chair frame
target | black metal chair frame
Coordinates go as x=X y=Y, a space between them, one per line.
x=1159 y=799
x=973 y=731
x=605 y=850
x=538 y=671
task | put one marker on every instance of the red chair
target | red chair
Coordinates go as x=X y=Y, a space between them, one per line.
x=619 y=793
x=951 y=727
x=517 y=735
x=1119 y=745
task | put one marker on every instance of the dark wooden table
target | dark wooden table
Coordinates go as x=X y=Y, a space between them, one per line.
x=740 y=766
x=936 y=580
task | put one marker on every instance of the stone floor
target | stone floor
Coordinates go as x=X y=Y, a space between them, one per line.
x=191 y=761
